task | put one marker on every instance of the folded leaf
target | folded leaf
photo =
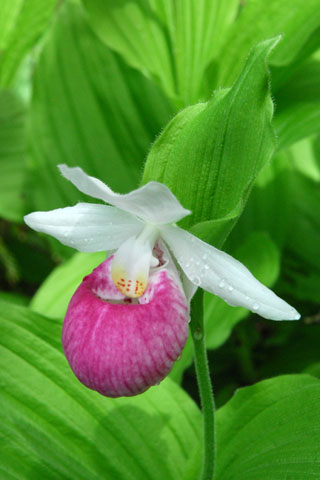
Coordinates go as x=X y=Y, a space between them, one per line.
x=210 y=154
x=55 y=428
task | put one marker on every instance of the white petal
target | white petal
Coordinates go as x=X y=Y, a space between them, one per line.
x=188 y=287
x=153 y=202
x=86 y=227
x=219 y=273
x=170 y=267
x=132 y=261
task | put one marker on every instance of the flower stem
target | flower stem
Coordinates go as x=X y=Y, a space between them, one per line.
x=204 y=384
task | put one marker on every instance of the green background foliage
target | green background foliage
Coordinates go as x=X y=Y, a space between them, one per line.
x=221 y=102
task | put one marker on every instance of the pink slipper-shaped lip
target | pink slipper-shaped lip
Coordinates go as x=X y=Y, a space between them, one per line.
x=120 y=346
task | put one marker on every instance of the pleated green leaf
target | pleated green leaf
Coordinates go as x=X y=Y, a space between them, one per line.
x=134 y=30
x=22 y=22
x=298 y=105
x=54 y=295
x=261 y=256
x=12 y=156
x=210 y=154
x=196 y=29
x=269 y=207
x=302 y=262
x=173 y=42
x=297 y=20
x=271 y=431
x=53 y=428
x=91 y=110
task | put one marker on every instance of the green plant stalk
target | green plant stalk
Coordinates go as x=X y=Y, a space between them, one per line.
x=205 y=386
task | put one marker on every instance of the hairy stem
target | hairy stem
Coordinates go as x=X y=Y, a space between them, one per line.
x=204 y=384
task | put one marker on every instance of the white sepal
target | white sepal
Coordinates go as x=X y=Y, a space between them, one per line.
x=153 y=202
x=87 y=227
x=219 y=273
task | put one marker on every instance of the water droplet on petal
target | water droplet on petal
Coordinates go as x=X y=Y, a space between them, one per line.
x=247 y=298
x=66 y=234
x=195 y=279
x=255 y=306
x=297 y=316
x=221 y=284
x=187 y=265
x=204 y=257
x=230 y=288
x=206 y=267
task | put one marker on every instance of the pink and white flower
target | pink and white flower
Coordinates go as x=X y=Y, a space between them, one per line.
x=128 y=321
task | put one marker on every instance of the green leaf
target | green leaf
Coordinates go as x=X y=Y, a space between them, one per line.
x=200 y=153
x=269 y=207
x=304 y=239
x=12 y=156
x=302 y=264
x=55 y=428
x=259 y=20
x=134 y=30
x=271 y=431
x=298 y=105
x=261 y=256
x=197 y=30
x=313 y=369
x=55 y=293
x=291 y=349
x=173 y=42
x=22 y=22
x=89 y=109
x=13 y=297
x=305 y=157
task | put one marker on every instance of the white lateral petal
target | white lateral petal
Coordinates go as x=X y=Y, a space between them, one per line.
x=87 y=227
x=171 y=267
x=221 y=274
x=153 y=202
x=188 y=287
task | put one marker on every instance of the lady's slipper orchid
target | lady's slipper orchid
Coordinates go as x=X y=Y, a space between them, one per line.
x=128 y=321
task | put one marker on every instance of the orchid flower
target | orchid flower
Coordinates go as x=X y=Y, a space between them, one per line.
x=127 y=322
